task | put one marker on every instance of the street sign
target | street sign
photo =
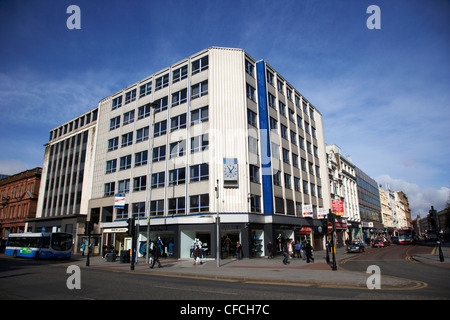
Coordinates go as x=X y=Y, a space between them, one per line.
x=330 y=227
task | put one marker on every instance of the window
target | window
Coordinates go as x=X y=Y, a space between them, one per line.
x=140 y=158
x=177 y=149
x=161 y=104
x=289 y=93
x=140 y=183
x=199 y=172
x=113 y=144
x=249 y=68
x=158 y=180
x=128 y=117
x=275 y=148
x=138 y=209
x=251 y=92
x=125 y=162
x=280 y=86
x=284 y=130
x=157 y=207
x=111 y=166
x=253 y=145
x=142 y=134
x=177 y=205
x=109 y=189
x=117 y=103
x=127 y=139
x=200 y=65
x=130 y=96
x=277 y=178
x=199 y=89
x=254 y=173
x=269 y=77
x=114 y=123
x=159 y=153
x=123 y=186
x=296 y=184
x=179 y=74
x=144 y=111
x=177 y=176
x=303 y=164
x=160 y=128
x=251 y=118
x=313 y=189
x=199 y=115
x=199 y=143
x=305 y=187
x=255 y=203
x=199 y=203
x=273 y=124
x=272 y=100
x=179 y=97
x=178 y=122
x=279 y=205
x=145 y=89
x=285 y=155
x=287 y=181
x=282 y=108
x=295 y=160
x=162 y=82
x=293 y=137
x=290 y=207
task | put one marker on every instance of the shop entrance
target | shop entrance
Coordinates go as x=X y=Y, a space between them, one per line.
x=228 y=240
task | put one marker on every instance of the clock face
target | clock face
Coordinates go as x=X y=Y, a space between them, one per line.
x=230 y=171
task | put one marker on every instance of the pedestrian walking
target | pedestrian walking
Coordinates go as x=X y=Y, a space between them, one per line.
x=197 y=255
x=156 y=255
x=309 y=249
x=298 y=249
x=270 y=250
x=239 y=253
x=83 y=248
x=286 y=253
x=304 y=249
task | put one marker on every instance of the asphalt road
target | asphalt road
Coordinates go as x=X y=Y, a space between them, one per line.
x=27 y=279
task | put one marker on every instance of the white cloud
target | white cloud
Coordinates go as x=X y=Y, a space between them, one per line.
x=420 y=200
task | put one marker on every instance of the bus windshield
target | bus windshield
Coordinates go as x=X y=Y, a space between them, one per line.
x=61 y=242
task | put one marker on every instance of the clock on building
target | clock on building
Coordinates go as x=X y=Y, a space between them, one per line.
x=230 y=172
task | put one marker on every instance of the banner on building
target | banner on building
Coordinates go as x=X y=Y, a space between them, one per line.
x=308 y=211
x=321 y=213
x=337 y=207
x=119 y=201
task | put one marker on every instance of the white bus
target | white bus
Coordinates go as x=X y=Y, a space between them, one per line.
x=40 y=245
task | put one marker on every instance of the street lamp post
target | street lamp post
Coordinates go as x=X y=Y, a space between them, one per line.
x=217 y=226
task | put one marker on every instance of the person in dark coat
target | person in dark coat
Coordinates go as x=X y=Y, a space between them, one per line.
x=286 y=252
x=308 y=250
x=270 y=250
x=156 y=255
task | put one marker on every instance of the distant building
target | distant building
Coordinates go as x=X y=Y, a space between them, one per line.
x=18 y=201
x=369 y=205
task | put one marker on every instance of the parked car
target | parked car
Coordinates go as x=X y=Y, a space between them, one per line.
x=355 y=246
x=380 y=243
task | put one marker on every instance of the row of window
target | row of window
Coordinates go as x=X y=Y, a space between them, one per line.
x=160 y=128
x=74 y=124
x=163 y=81
x=199 y=172
x=197 y=203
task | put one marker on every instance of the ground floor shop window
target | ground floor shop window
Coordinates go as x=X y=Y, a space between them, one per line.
x=189 y=238
x=228 y=241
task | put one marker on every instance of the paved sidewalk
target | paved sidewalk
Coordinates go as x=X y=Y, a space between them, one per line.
x=433 y=257
x=258 y=270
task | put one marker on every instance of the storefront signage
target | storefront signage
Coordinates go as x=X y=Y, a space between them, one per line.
x=119 y=201
x=307 y=211
x=338 y=207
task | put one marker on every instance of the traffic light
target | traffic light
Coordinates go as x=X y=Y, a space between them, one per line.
x=131 y=226
x=88 y=227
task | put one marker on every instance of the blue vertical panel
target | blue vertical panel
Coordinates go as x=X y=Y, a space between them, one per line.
x=266 y=165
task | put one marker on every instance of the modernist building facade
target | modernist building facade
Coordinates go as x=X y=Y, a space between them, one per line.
x=216 y=135
x=67 y=177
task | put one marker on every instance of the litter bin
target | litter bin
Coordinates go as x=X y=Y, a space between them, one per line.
x=111 y=257
x=125 y=256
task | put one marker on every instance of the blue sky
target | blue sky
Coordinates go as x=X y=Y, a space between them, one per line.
x=384 y=94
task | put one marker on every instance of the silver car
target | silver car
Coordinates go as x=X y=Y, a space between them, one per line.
x=355 y=246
